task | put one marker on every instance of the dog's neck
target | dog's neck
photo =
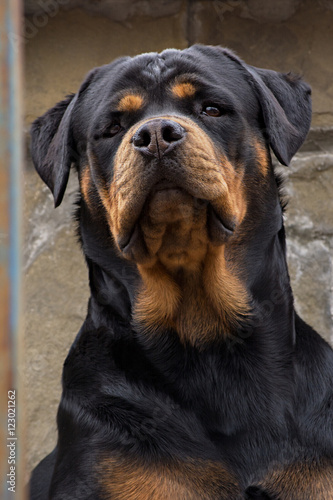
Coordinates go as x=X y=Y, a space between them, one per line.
x=200 y=306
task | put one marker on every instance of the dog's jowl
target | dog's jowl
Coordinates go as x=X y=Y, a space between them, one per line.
x=192 y=376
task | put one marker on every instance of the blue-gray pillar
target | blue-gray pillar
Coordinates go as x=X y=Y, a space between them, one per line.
x=10 y=247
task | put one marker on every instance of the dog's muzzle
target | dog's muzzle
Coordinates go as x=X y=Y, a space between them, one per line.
x=170 y=182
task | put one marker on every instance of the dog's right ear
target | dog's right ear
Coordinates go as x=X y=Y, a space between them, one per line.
x=53 y=148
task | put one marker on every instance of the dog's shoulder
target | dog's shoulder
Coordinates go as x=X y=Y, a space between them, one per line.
x=314 y=386
x=312 y=350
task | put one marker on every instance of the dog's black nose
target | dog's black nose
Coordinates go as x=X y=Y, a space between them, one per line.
x=158 y=137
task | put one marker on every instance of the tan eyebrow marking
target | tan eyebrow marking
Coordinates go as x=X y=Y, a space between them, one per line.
x=183 y=90
x=130 y=102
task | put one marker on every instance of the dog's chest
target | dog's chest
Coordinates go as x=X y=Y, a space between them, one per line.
x=161 y=403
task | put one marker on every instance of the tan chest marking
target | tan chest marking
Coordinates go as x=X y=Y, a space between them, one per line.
x=127 y=479
x=301 y=481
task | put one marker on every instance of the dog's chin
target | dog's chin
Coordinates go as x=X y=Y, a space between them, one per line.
x=174 y=226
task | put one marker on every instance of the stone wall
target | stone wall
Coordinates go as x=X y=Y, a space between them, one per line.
x=63 y=40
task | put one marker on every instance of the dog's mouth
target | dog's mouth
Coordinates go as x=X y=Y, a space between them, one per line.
x=172 y=220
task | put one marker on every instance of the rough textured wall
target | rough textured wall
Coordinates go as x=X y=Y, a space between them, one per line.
x=62 y=45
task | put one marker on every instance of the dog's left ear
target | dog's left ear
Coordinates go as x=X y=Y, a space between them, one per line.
x=53 y=148
x=286 y=107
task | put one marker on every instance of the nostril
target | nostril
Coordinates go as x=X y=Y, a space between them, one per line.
x=142 y=138
x=145 y=139
x=172 y=132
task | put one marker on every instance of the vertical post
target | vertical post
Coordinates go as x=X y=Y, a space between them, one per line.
x=10 y=208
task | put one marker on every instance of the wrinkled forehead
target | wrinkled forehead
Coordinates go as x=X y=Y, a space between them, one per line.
x=156 y=67
x=153 y=71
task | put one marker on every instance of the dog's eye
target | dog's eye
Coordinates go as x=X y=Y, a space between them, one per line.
x=114 y=129
x=213 y=111
x=109 y=132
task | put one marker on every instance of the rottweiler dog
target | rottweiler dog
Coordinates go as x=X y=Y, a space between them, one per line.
x=192 y=377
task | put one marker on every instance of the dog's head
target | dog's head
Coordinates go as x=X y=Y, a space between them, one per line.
x=173 y=149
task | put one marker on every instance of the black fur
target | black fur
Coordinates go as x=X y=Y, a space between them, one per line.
x=256 y=400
